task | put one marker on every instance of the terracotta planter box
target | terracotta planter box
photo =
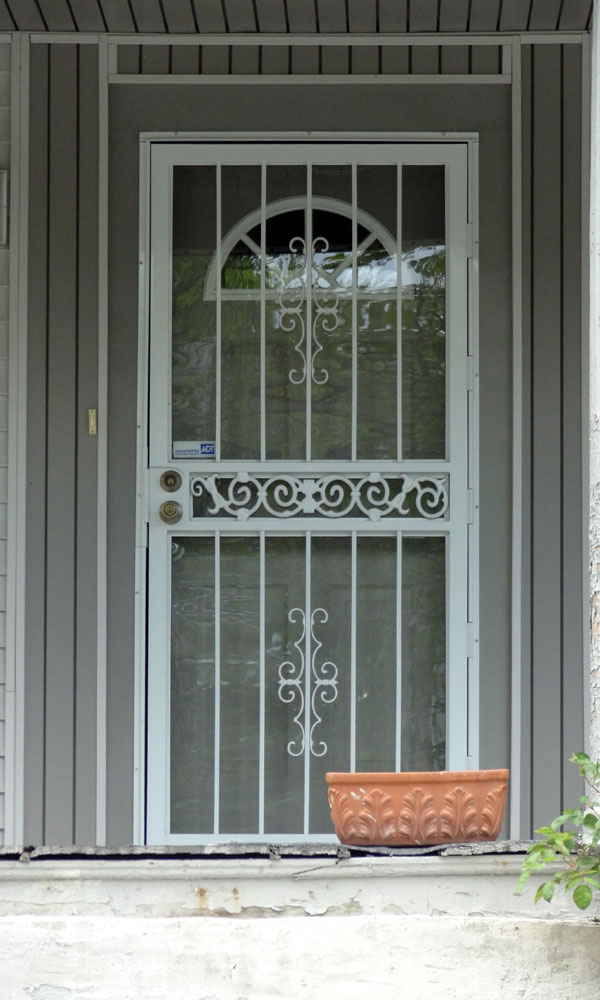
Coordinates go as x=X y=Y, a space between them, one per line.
x=417 y=807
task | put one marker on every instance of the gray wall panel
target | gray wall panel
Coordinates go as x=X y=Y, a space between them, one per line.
x=140 y=108
x=87 y=452
x=36 y=455
x=60 y=495
x=546 y=431
x=553 y=186
x=573 y=445
x=61 y=505
x=526 y=587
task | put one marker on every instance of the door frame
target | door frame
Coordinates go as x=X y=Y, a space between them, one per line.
x=140 y=792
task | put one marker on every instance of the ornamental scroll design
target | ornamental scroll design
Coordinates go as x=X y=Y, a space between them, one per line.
x=323 y=684
x=373 y=496
x=291 y=308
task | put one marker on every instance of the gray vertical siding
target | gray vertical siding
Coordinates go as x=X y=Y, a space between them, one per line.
x=60 y=675
x=60 y=708
x=5 y=98
x=553 y=609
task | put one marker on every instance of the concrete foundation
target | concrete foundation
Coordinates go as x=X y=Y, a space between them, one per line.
x=292 y=928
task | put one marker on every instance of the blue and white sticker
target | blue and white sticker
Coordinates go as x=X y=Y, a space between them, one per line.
x=193 y=449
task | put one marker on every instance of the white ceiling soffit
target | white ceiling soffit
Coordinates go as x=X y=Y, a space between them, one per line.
x=294 y=16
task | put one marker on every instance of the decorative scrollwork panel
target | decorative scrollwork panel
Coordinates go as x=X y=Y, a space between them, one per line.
x=374 y=496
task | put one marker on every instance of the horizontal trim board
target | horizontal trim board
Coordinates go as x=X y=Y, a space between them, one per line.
x=316 y=40
x=64 y=38
x=309 y=137
x=326 y=78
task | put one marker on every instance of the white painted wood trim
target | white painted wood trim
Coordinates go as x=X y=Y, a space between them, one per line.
x=338 y=39
x=516 y=750
x=315 y=40
x=307 y=78
x=473 y=734
x=17 y=442
x=308 y=136
x=594 y=402
x=141 y=551
x=66 y=38
x=457 y=162
x=102 y=438
x=586 y=82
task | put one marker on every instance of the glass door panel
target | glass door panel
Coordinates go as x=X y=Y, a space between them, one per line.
x=424 y=342
x=295 y=354
x=311 y=612
x=194 y=317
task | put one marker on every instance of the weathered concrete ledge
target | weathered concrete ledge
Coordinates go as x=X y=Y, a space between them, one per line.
x=457 y=886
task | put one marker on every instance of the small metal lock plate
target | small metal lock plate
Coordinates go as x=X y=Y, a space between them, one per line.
x=170 y=481
x=170 y=511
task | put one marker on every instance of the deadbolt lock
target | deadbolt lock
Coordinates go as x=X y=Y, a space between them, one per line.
x=170 y=481
x=170 y=511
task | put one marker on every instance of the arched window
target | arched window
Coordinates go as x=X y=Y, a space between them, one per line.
x=285 y=249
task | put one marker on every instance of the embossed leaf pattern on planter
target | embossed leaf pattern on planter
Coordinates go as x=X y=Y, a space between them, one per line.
x=417 y=808
x=418 y=820
x=493 y=811
x=459 y=818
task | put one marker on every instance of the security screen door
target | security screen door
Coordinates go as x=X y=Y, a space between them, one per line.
x=307 y=478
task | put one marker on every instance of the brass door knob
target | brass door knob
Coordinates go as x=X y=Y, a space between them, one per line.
x=170 y=511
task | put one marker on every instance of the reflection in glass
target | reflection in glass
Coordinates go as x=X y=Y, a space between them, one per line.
x=423 y=654
x=423 y=312
x=193 y=316
x=377 y=280
x=240 y=685
x=376 y=654
x=240 y=320
x=331 y=588
x=284 y=771
x=192 y=684
x=285 y=333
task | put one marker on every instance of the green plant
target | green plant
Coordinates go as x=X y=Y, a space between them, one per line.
x=578 y=851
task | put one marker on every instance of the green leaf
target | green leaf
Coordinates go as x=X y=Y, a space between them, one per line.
x=579 y=758
x=548 y=891
x=582 y=896
x=573 y=879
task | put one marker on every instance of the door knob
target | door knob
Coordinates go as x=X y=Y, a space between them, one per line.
x=170 y=481
x=170 y=511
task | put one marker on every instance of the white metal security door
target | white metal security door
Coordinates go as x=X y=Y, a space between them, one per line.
x=308 y=478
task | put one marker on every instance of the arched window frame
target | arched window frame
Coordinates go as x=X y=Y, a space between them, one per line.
x=240 y=233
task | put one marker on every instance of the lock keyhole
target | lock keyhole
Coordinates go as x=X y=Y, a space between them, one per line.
x=170 y=481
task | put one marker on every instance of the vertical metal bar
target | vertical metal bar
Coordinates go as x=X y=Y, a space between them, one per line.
x=354 y=310
x=307 y=679
x=354 y=575
x=262 y=732
x=399 y=309
x=309 y=292
x=218 y=319
x=398 y=651
x=263 y=293
x=217 y=776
